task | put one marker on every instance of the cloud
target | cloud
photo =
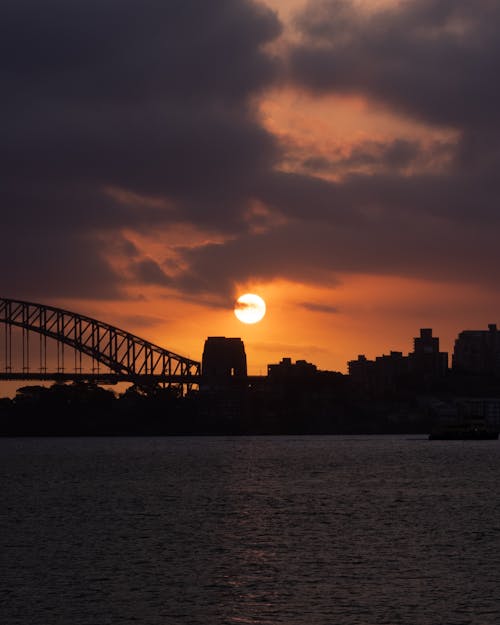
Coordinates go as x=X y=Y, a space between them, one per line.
x=397 y=156
x=400 y=207
x=147 y=271
x=321 y=308
x=155 y=99
x=435 y=60
x=41 y=264
x=421 y=227
x=134 y=117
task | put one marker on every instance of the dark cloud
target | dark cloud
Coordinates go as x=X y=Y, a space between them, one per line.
x=403 y=208
x=397 y=209
x=120 y=52
x=45 y=263
x=433 y=60
x=436 y=60
x=393 y=156
x=421 y=227
x=148 y=272
x=321 y=308
x=130 y=116
x=152 y=97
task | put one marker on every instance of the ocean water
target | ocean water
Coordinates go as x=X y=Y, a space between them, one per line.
x=313 y=530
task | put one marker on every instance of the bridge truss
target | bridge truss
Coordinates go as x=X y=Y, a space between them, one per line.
x=59 y=345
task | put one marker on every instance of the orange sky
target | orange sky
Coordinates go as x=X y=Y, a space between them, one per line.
x=362 y=314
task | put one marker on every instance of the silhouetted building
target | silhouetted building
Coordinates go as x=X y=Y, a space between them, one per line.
x=477 y=352
x=390 y=369
x=426 y=362
x=361 y=373
x=286 y=369
x=421 y=369
x=224 y=360
x=379 y=375
x=302 y=398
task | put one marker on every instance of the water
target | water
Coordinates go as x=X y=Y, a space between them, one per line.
x=271 y=530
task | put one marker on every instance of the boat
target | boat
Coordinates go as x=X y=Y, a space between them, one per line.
x=476 y=429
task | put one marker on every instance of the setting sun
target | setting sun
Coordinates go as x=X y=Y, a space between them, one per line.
x=249 y=308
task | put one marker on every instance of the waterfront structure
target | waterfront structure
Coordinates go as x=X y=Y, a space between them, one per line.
x=486 y=408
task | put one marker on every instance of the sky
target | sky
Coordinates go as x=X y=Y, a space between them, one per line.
x=339 y=158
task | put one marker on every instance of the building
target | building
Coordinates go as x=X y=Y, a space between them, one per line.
x=286 y=369
x=426 y=362
x=477 y=352
x=423 y=368
x=223 y=362
x=383 y=374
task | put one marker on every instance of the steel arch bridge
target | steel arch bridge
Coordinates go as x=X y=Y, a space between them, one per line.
x=124 y=356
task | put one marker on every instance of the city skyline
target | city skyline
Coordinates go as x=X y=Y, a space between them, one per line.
x=113 y=383
x=44 y=343
x=337 y=158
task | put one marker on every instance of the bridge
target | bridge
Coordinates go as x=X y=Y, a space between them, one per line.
x=45 y=343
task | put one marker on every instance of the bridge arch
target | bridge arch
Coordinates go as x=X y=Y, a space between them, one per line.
x=127 y=357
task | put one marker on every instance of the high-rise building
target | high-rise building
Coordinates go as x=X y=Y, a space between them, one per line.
x=426 y=361
x=477 y=352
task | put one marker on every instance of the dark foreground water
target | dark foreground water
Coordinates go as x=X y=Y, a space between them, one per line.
x=213 y=531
